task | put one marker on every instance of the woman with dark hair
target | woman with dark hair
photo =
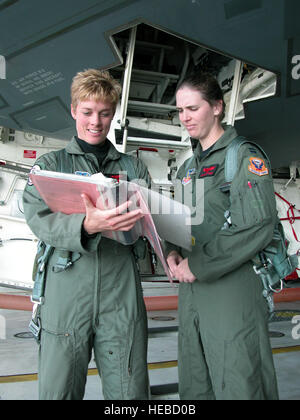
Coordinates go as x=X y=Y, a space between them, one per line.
x=224 y=349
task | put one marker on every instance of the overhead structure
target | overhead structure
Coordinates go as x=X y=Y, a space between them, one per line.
x=44 y=44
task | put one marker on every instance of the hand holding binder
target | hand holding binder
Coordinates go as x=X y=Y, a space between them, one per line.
x=115 y=219
x=64 y=192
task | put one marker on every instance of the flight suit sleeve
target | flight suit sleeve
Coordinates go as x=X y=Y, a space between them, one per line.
x=253 y=216
x=144 y=178
x=56 y=229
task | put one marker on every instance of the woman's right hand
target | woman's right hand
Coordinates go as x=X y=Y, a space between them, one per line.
x=115 y=219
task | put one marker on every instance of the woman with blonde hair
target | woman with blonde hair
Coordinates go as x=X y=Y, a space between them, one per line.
x=94 y=301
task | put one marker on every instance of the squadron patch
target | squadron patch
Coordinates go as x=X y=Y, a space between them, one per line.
x=187 y=179
x=34 y=168
x=257 y=166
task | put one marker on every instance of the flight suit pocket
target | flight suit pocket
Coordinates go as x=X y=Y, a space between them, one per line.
x=57 y=362
x=254 y=202
x=242 y=366
x=122 y=361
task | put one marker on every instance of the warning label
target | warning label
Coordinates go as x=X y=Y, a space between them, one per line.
x=29 y=154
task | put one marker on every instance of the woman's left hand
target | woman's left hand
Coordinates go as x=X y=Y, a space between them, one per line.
x=183 y=272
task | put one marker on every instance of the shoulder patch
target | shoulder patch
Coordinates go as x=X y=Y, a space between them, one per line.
x=257 y=166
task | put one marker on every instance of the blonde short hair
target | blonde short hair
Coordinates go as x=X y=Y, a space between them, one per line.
x=94 y=84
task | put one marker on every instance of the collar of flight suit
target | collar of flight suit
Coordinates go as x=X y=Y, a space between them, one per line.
x=74 y=149
x=226 y=138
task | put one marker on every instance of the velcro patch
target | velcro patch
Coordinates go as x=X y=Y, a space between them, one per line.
x=208 y=171
x=114 y=176
x=82 y=173
x=118 y=177
x=257 y=166
x=187 y=179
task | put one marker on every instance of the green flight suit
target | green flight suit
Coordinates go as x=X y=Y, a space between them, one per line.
x=97 y=303
x=224 y=348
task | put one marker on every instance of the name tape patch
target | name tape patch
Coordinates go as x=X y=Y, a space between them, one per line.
x=208 y=171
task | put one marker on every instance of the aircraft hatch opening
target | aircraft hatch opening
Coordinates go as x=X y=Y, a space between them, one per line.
x=159 y=63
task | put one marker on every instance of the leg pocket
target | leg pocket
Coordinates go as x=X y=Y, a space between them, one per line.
x=194 y=377
x=138 y=384
x=122 y=362
x=243 y=368
x=57 y=365
x=108 y=356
